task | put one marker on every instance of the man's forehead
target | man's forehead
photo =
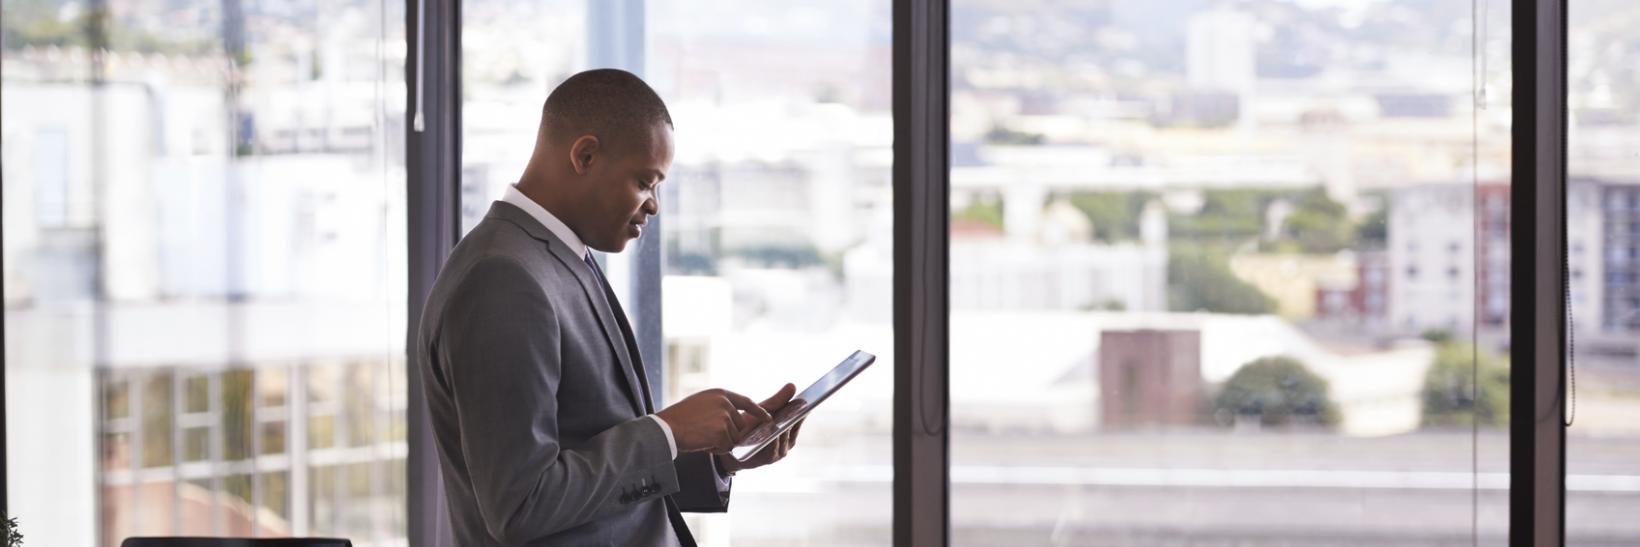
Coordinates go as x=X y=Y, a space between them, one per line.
x=659 y=147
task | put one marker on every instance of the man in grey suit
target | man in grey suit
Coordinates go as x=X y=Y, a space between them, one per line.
x=546 y=433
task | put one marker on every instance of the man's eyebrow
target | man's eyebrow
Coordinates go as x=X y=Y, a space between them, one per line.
x=659 y=176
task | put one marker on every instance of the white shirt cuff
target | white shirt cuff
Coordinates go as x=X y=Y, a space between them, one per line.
x=671 y=443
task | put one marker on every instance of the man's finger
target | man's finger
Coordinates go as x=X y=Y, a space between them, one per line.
x=742 y=422
x=730 y=438
x=731 y=427
x=743 y=403
x=780 y=398
x=797 y=428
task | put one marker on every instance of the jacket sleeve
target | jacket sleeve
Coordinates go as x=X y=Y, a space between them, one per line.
x=503 y=344
x=704 y=490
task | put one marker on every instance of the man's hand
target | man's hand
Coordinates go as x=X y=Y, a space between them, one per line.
x=712 y=420
x=777 y=449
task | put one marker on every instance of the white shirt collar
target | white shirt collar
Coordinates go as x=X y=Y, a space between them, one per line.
x=551 y=223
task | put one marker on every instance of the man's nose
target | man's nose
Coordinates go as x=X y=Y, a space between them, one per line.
x=652 y=206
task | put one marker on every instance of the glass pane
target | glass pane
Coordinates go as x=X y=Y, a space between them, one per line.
x=775 y=221
x=197 y=192
x=158 y=420
x=273 y=438
x=270 y=387
x=240 y=510
x=362 y=416
x=116 y=400
x=197 y=390
x=1215 y=274
x=777 y=241
x=1603 y=253
x=322 y=431
x=322 y=497
x=196 y=444
x=513 y=54
x=237 y=414
x=275 y=496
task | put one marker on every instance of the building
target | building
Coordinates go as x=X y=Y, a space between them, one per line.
x=1620 y=258
x=1221 y=51
x=1294 y=280
x=215 y=315
x=1449 y=254
x=1364 y=302
x=1149 y=378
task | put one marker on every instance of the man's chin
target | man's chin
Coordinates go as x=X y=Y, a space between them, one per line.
x=609 y=247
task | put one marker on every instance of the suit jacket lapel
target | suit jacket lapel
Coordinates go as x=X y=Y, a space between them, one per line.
x=630 y=340
x=590 y=286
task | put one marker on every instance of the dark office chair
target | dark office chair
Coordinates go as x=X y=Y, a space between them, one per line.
x=234 y=542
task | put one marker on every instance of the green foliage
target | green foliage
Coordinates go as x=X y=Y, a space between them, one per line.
x=1115 y=215
x=1450 y=394
x=999 y=134
x=38 y=23
x=1437 y=336
x=984 y=211
x=1373 y=231
x=1276 y=391
x=35 y=23
x=1226 y=214
x=1318 y=224
x=1199 y=279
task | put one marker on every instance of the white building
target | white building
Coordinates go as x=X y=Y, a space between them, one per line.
x=1437 y=235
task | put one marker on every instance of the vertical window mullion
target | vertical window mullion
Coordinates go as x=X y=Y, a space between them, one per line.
x=433 y=84
x=921 y=181
x=1537 y=322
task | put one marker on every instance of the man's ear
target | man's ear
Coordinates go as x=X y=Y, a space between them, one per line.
x=583 y=152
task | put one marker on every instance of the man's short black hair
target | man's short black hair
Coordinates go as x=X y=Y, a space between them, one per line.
x=614 y=105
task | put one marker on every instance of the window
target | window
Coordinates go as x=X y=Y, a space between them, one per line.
x=1602 y=128
x=207 y=215
x=775 y=218
x=1259 y=139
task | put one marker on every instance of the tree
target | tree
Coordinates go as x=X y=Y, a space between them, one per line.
x=1277 y=391
x=1451 y=396
x=1114 y=215
x=1000 y=134
x=1199 y=279
x=1318 y=224
x=1373 y=232
x=1230 y=214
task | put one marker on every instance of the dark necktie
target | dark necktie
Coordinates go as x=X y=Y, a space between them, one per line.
x=597 y=274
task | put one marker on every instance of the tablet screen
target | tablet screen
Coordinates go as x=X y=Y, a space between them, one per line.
x=804 y=402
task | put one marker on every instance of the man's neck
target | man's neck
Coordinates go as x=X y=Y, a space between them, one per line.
x=538 y=191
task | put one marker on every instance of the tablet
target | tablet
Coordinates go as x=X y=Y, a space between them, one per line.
x=802 y=404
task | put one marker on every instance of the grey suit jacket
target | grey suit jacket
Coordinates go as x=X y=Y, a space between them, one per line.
x=538 y=399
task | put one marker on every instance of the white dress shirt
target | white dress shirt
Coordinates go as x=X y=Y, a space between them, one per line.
x=558 y=228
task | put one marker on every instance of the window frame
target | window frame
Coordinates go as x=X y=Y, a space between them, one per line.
x=1537 y=435
x=432 y=75
x=921 y=70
